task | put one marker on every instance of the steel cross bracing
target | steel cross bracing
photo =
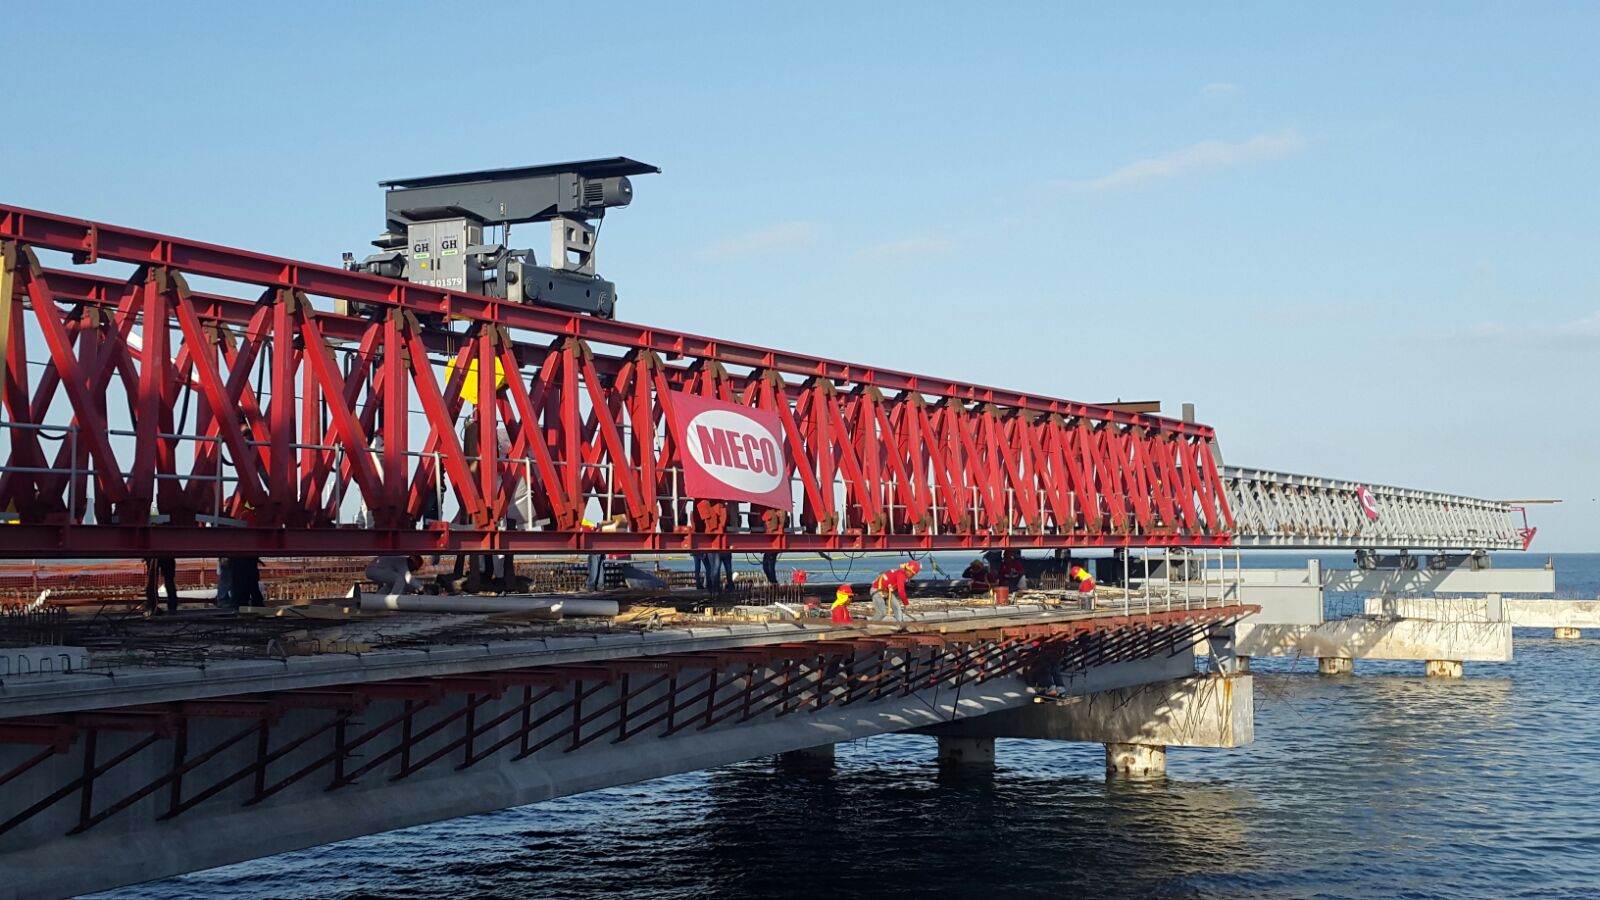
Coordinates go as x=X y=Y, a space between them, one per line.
x=144 y=417
x=1277 y=509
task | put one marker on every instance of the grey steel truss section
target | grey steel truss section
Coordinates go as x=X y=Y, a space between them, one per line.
x=1278 y=509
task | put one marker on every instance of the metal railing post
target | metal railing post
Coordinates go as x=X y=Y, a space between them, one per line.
x=338 y=485
x=72 y=474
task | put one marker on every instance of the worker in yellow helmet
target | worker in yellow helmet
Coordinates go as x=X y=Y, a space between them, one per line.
x=841 y=605
x=1085 y=582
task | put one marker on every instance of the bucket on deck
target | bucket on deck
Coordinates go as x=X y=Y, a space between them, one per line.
x=1002 y=596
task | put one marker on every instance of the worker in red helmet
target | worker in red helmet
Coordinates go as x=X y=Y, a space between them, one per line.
x=889 y=586
x=841 y=605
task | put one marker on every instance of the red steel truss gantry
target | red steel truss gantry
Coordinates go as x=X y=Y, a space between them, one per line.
x=321 y=411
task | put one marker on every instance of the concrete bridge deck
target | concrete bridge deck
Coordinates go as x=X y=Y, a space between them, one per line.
x=125 y=773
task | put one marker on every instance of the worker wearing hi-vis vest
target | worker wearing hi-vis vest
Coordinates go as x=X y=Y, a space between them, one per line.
x=1084 y=580
x=597 y=561
x=889 y=586
x=841 y=605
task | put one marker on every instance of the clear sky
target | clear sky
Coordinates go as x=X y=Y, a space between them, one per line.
x=1362 y=238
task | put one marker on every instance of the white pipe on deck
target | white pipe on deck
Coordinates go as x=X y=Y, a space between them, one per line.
x=479 y=603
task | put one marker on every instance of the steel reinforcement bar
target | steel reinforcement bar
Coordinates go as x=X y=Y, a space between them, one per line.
x=332 y=414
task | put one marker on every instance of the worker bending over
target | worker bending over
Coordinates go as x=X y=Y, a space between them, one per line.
x=395 y=574
x=841 y=605
x=888 y=586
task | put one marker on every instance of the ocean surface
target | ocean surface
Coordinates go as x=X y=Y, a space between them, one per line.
x=1382 y=785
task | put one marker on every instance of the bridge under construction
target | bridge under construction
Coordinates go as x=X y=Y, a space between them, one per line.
x=165 y=397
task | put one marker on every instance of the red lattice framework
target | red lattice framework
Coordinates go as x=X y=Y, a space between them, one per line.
x=880 y=460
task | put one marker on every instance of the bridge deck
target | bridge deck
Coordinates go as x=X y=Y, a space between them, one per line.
x=129 y=660
x=155 y=770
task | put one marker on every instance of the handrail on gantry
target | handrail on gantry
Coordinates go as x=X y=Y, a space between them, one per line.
x=300 y=408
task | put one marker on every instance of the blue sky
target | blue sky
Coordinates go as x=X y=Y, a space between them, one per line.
x=1363 y=239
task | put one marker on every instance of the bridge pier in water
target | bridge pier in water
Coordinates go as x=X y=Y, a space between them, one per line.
x=1137 y=723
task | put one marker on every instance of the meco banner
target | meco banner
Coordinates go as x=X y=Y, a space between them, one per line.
x=731 y=452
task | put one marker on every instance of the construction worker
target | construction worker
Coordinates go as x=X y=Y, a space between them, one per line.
x=164 y=568
x=597 y=561
x=769 y=566
x=977 y=576
x=395 y=574
x=1011 y=569
x=1085 y=582
x=841 y=605
x=889 y=585
x=245 y=575
x=704 y=572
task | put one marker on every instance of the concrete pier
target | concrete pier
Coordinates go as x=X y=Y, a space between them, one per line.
x=966 y=751
x=1136 y=724
x=1336 y=665
x=819 y=757
x=1444 y=668
x=1135 y=761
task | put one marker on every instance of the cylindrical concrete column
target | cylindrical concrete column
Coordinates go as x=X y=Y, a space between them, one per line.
x=1444 y=668
x=1335 y=665
x=1568 y=634
x=1135 y=761
x=964 y=751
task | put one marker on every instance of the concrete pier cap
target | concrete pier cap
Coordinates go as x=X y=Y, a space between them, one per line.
x=1136 y=724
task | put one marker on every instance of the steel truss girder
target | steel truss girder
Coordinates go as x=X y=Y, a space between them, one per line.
x=1278 y=509
x=881 y=459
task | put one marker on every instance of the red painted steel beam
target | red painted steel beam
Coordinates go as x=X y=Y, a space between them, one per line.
x=884 y=460
x=101 y=241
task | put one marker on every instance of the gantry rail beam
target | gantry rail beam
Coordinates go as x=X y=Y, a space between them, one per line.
x=1287 y=511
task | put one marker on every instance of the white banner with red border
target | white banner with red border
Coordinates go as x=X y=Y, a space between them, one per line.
x=731 y=452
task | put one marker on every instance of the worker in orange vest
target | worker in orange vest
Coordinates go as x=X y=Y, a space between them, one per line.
x=889 y=585
x=841 y=605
